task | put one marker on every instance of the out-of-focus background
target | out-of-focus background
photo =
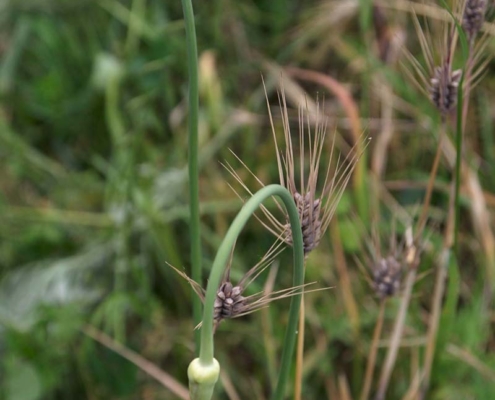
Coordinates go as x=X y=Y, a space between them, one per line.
x=93 y=194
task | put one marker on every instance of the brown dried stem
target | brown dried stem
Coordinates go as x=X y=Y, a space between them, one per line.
x=147 y=366
x=470 y=359
x=370 y=366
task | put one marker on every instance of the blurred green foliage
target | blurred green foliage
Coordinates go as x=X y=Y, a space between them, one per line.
x=93 y=195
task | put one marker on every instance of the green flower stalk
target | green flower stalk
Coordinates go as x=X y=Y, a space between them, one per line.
x=192 y=56
x=203 y=371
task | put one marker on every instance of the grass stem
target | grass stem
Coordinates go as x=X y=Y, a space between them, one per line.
x=396 y=336
x=370 y=366
x=195 y=223
x=431 y=181
x=299 y=353
x=438 y=294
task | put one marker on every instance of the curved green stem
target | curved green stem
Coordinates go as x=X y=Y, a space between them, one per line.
x=220 y=263
x=195 y=235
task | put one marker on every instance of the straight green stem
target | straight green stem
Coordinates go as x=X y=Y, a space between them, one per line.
x=195 y=234
x=458 y=161
x=360 y=180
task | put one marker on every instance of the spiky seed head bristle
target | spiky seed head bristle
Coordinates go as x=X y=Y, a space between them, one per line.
x=443 y=89
x=309 y=215
x=319 y=189
x=316 y=190
x=473 y=17
x=229 y=302
x=387 y=273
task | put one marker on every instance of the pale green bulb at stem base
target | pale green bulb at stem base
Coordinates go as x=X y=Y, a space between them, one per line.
x=202 y=379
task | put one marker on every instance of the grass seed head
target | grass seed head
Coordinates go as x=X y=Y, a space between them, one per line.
x=386 y=254
x=229 y=302
x=387 y=274
x=309 y=213
x=315 y=188
x=443 y=89
x=473 y=17
x=436 y=76
x=311 y=175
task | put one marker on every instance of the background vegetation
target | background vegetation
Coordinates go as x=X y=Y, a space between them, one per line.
x=93 y=203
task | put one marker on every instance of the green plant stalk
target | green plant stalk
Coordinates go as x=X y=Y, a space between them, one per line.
x=13 y=55
x=458 y=162
x=444 y=271
x=298 y=378
x=486 y=129
x=361 y=185
x=219 y=264
x=449 y=310
x=137 y=12
x=447 y=267
x=360 y=180
x=431 y=351
x=118 y=191
x=465 y=53
x=113 y=116
x=269 y=342
x=195 y=234
x=365 y=10
x=431 y=181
